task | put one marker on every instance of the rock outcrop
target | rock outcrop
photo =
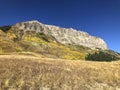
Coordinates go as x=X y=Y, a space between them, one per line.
x=64 y=35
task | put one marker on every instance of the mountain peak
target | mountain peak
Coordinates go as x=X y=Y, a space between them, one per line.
x=64 y=35
x=33 y=21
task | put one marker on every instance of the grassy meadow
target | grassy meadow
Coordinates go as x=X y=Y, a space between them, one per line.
x=33 y=72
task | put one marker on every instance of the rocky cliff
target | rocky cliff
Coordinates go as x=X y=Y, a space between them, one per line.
x=64 y=35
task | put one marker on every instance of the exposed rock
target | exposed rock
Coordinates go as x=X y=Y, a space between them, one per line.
x=64 y=35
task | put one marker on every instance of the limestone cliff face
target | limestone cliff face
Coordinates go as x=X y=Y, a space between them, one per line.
x=64 y=35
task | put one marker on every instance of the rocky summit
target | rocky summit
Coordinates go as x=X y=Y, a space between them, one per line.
x=64 y=35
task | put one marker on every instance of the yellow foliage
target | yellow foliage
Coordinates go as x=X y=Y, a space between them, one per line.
x=75 y=55
x=34 y=39
x=18 y=49
x=62 y=51
x=11 y=34
x=1 y=51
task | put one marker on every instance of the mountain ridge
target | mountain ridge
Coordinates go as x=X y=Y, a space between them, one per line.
x=64 y=35
x=51 y=41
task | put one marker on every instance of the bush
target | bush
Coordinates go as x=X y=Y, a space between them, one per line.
x=102 y=56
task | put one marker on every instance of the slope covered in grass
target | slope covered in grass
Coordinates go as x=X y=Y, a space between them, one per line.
x=13 y=39
x=34 y=73
x=7 y=45
x=31 y=41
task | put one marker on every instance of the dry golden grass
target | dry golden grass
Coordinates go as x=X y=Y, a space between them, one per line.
x=24 y=72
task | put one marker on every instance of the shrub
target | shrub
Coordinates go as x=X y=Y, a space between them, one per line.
x=102 y=56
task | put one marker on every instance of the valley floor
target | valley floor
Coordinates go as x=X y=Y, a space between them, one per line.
x=30 y=72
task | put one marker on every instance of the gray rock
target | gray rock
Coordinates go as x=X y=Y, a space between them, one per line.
x=64 y=35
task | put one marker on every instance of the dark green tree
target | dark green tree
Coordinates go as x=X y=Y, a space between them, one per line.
x=101 y=56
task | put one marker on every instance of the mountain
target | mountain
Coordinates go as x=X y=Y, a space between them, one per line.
x=63 y=35
x=50 y=41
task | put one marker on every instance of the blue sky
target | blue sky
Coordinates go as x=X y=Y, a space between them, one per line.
x=97 y=17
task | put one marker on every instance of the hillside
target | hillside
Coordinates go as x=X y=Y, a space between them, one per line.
x=49 y=41
x=26 y=72
x=13 y=40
